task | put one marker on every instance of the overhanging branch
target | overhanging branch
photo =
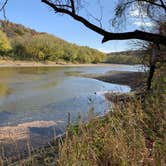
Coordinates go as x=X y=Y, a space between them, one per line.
x=156 y=38
x=136 y=35
x=3 y=5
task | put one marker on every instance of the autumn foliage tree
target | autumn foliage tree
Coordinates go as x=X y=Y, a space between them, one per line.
x=5 y=45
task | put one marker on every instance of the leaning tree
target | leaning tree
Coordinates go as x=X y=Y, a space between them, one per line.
x=70 y=7
x=155 y=10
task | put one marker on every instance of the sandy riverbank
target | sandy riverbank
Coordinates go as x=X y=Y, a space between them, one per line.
x=17 y=139
x=17 y=63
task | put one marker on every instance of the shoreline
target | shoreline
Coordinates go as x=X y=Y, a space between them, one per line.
x=135 y=80
x=19 y=63
x=33 y=134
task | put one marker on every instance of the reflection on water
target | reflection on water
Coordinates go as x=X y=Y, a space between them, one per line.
x=47 y=85
x=4 y=90
x=36 y=70
x=4 y=115
x=49 y=93
x=5 y=75
x=73 y=73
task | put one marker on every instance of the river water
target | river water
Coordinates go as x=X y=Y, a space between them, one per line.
x=35 y=102
x=50 y=93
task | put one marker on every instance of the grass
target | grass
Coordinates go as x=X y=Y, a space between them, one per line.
x=45 y=156
x=132 y=133
x=125 y=137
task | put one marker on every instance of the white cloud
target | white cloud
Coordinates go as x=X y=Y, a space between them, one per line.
x=144 y=24
x=137 y=13
x=105 y=50
x=139 y=18
x=134 y=13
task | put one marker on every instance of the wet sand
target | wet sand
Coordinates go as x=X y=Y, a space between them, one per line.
x=15 y=140
x=135 y=80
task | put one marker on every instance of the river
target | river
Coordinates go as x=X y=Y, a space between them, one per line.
x=29 y=94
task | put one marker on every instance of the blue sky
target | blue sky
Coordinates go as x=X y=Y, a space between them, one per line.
x=35 y=15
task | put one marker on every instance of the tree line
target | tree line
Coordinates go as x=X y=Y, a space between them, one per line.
x=21 y=43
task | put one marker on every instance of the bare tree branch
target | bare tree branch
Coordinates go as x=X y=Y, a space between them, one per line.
x=95 y=18
x=156 y=38
x=3 y=5
x=64 y=6
x=163 y=4
x=72 y=6
x=2 y=9
x=154 y=3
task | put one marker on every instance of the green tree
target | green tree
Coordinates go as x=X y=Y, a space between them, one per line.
x=5 y=45
x=41 y=47
x=27 y=44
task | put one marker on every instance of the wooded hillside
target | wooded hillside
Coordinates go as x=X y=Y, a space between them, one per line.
x=126 y=57
x=28 y=44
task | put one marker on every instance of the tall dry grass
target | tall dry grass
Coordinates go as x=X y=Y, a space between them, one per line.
x=132 y=133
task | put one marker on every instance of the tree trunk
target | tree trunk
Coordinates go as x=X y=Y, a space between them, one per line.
x=150 y=78
x=155 y=51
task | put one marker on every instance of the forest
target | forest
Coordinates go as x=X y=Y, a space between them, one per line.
x=126 y=57
x=21 y=43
